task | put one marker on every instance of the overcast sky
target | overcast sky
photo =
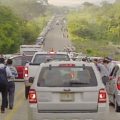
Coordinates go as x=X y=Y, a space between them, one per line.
x=74 y=2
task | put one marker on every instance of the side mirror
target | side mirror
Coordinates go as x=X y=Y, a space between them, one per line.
x=31 y=79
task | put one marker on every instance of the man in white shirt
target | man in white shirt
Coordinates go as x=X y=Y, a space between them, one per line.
x=104 y=70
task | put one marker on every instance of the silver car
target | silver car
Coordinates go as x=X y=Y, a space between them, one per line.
x=67 y=90
x=113 y=87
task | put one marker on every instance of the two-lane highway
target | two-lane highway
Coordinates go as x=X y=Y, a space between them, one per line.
x=56 y=38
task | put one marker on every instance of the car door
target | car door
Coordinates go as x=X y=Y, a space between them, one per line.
x=17 y=62
x=112 y=83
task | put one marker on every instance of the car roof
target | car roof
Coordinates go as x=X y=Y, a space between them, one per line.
x=57 y=63
x=40 y=37
x=19 y=56
x=49 y=52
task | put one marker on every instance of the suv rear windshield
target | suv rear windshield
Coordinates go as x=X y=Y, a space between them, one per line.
x=40 y=58
x=67 y=77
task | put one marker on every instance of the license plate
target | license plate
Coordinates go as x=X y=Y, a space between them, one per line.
x=67 y=97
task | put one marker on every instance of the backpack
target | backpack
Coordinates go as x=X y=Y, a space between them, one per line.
x=3 y=76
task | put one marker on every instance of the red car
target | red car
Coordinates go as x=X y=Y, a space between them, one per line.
x=19 y=62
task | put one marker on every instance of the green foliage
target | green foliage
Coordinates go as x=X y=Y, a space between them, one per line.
x=92 y=28
x=15 y=31
x=9 y=30
x=32 y=29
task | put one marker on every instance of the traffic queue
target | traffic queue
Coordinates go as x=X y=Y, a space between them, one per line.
x=68 y=85
x=74 y=89
x=107 y=69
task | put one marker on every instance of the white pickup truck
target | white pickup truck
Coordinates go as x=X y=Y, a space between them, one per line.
x=38 y=58
x=30 y=49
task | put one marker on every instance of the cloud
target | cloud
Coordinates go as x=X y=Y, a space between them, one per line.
x=75 y=2
x=64 y=2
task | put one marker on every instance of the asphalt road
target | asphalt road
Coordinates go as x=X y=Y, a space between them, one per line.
x=20 y=107
x=55 y=39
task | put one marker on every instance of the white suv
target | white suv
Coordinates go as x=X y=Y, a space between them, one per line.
x=67 y=90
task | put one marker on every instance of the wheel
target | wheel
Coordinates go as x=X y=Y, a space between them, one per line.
x=110 y=103
x=117 y=108
x=26 y=91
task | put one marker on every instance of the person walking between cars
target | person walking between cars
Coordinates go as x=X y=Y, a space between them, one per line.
x=103 y=68
x=11 y=84
x=5 y=73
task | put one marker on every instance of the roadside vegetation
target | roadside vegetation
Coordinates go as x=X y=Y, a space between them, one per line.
x=17 y=26
x=95 y=30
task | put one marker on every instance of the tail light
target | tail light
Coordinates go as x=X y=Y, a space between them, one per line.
x=102 y=98
x=32 y=96
x=26 y=72
x=118 y=83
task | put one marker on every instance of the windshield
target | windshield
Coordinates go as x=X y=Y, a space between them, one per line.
x=40 y=58
x=67 y=77
x=21 y=60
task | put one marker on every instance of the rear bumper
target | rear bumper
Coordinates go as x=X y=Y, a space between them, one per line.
x=34 y=115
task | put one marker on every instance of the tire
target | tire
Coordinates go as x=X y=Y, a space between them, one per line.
x=117 y=108
x=26 y=91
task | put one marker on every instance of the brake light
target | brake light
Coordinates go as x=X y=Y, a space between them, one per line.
x=32 y=96
x=51 y=52
x=102 y=96
x=26 y=72
x=118 y=83
x=67 y=65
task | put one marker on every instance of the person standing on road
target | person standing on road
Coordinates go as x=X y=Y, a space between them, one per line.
x=11 y=84
x=111 y=64
x=104 y=70
x=95 y=61
x=5 y=73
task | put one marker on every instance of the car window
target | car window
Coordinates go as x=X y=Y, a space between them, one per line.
x=26 y=59
x=17 y=61
x=40 y=58
x=114 y=71
x=67 y=77
x=118 y=73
